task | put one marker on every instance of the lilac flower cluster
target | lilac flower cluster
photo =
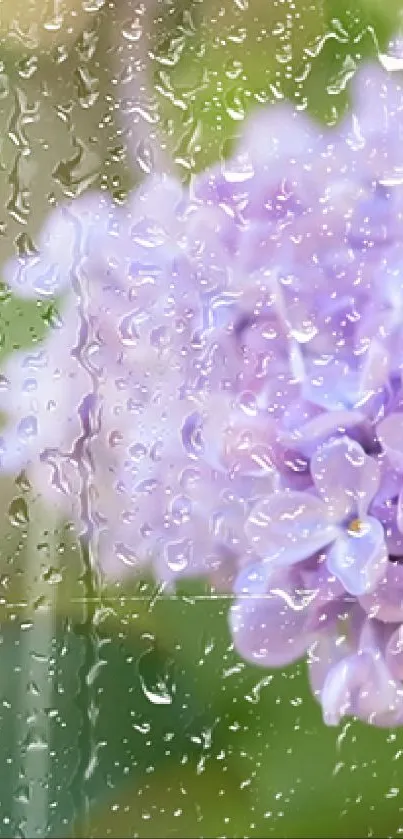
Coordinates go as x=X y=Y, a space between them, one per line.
x=222 y=391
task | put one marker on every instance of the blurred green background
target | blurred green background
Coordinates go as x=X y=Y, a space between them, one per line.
x=125 y=712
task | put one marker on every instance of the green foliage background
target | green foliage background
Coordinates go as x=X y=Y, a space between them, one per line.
x=155 y=727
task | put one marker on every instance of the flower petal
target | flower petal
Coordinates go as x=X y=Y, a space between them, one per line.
x=386 y=508
x=359 y=558
x=394 y=653
x=288 y=527
x=69 y=230
x=385 y=602
x=330 y=383
x=345 y=477
x=342 y=683
x=374 y=373
x=269 y=618
x=390 y=436
x=355 y=679
x=317 y=431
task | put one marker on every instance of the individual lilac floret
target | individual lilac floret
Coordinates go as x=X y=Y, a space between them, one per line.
x=289 y=527
x=360 y=673
x=222 y=393
x=278 y=612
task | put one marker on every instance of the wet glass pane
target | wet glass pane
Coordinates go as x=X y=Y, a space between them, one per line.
x=201 y=405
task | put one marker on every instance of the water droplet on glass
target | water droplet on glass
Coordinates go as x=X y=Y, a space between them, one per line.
x=18 y=512
x=128 y=330
x=247 y=403
x=156 y=678
x=132 y=30
x=192 y=434
x=28 y=426
x=178 y=555
x=22 y=794
x=35 y=742
x=53 y=576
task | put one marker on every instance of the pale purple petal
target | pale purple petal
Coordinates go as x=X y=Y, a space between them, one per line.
x=287 y=134
x=345 y=477
x=69 y=232
x=390 y=436
x=353 y=678
x=384 y=507
x=269 y=618
x=374 y=373
x=329 y=600
x=377 y=122
x=358 y=558
x=329 y=648
x=380 y=701
x=342 y=686
x=394 y=653
x=331 y=382
x=310 y=435
x=385 y=602
x=288 y=527
x=265 y=180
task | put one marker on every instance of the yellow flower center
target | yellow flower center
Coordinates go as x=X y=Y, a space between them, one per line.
x=355 y=526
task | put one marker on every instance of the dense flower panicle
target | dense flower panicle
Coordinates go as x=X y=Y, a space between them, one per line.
x=123 y=382
x=222 y=391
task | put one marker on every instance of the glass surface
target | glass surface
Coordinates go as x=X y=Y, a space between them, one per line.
x=126 y=709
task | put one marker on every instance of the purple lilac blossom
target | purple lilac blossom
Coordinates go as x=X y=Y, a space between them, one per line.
x=228 y=362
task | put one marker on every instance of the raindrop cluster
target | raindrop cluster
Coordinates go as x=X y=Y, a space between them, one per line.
x=220 y=392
